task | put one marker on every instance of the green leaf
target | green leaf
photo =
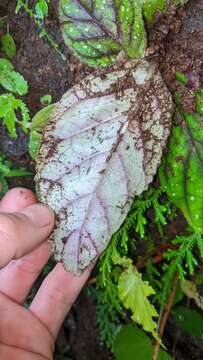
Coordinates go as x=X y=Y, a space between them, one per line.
x=8 y=107
x=14 y=82
x=41 y=9
x=3 y=186
x=8 y=45
x=97 y=31
x=34 y=144
x=189 y=320
x=40 y=119
x=182 y=170
x=5 y=65
x=36 y=127
x=199 y=102
x=182 y=78
x=150 y=7
x=6 y=170
x=133 y=293
x=133 y=344
x=46 y=100
x=19 y=5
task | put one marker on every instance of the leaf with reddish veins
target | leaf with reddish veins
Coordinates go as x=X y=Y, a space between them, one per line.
x=101 y=147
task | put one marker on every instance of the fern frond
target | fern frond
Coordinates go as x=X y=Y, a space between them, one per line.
x=182 y=259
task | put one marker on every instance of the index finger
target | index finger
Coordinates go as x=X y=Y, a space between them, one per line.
x=23 y=231
x=56 y=295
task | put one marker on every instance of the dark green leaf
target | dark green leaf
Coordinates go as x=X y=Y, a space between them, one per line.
x=97 y=31
x=5 y=65
x=133 y=344
x=14 y=82
x=189 y=320
x=8 y=45
x=182 y=170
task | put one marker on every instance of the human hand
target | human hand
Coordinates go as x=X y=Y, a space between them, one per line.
x=29 y=334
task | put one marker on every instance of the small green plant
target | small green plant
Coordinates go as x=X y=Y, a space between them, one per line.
x=13 y=111
x=7 y=170
x=38 y=13
x=9 y=112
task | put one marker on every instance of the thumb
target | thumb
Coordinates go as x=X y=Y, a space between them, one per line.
x=21 y=232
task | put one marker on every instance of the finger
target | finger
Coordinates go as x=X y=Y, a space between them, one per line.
x=20 y=328
x=23 y=231
x=12 y=352
x=17 y=278
x=17 y=199
x=56 y=296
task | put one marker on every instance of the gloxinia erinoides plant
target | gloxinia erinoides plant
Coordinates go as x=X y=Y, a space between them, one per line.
x=104 y=140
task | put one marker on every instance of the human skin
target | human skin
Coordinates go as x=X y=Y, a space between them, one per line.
x=30 y=334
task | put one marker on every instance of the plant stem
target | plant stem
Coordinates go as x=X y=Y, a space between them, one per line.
x=164 y=317
x=42 y=29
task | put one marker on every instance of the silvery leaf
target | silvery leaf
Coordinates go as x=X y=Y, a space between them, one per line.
x=100 y=148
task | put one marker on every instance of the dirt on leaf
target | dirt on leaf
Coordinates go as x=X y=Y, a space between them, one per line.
x=176 y=43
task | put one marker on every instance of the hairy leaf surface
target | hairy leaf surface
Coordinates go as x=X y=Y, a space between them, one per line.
x=97 y=31
x=101 y=146
x=182 y=171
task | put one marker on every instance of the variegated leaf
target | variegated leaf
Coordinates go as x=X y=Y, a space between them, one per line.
x=102 y=145
x=97 y=31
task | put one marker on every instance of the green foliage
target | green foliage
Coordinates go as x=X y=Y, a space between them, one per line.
x=5 y=65
x=38 y=14
x=107 y=317
x=8 y=45
x=110 y=272
x=150 y=7
x=41 y=9
x=182 y=259
x=10 y=79
x=182 y=78
x=135 y=221
x=46 y=100
x=199 y=101
x=154 y=277
x=182 y=170
x=189 y=320
x=36 y=128
x=7 y=171
x=133 y=344
x=133 y=293
x=14 y=82
x=98 y=31
x=13 y=111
